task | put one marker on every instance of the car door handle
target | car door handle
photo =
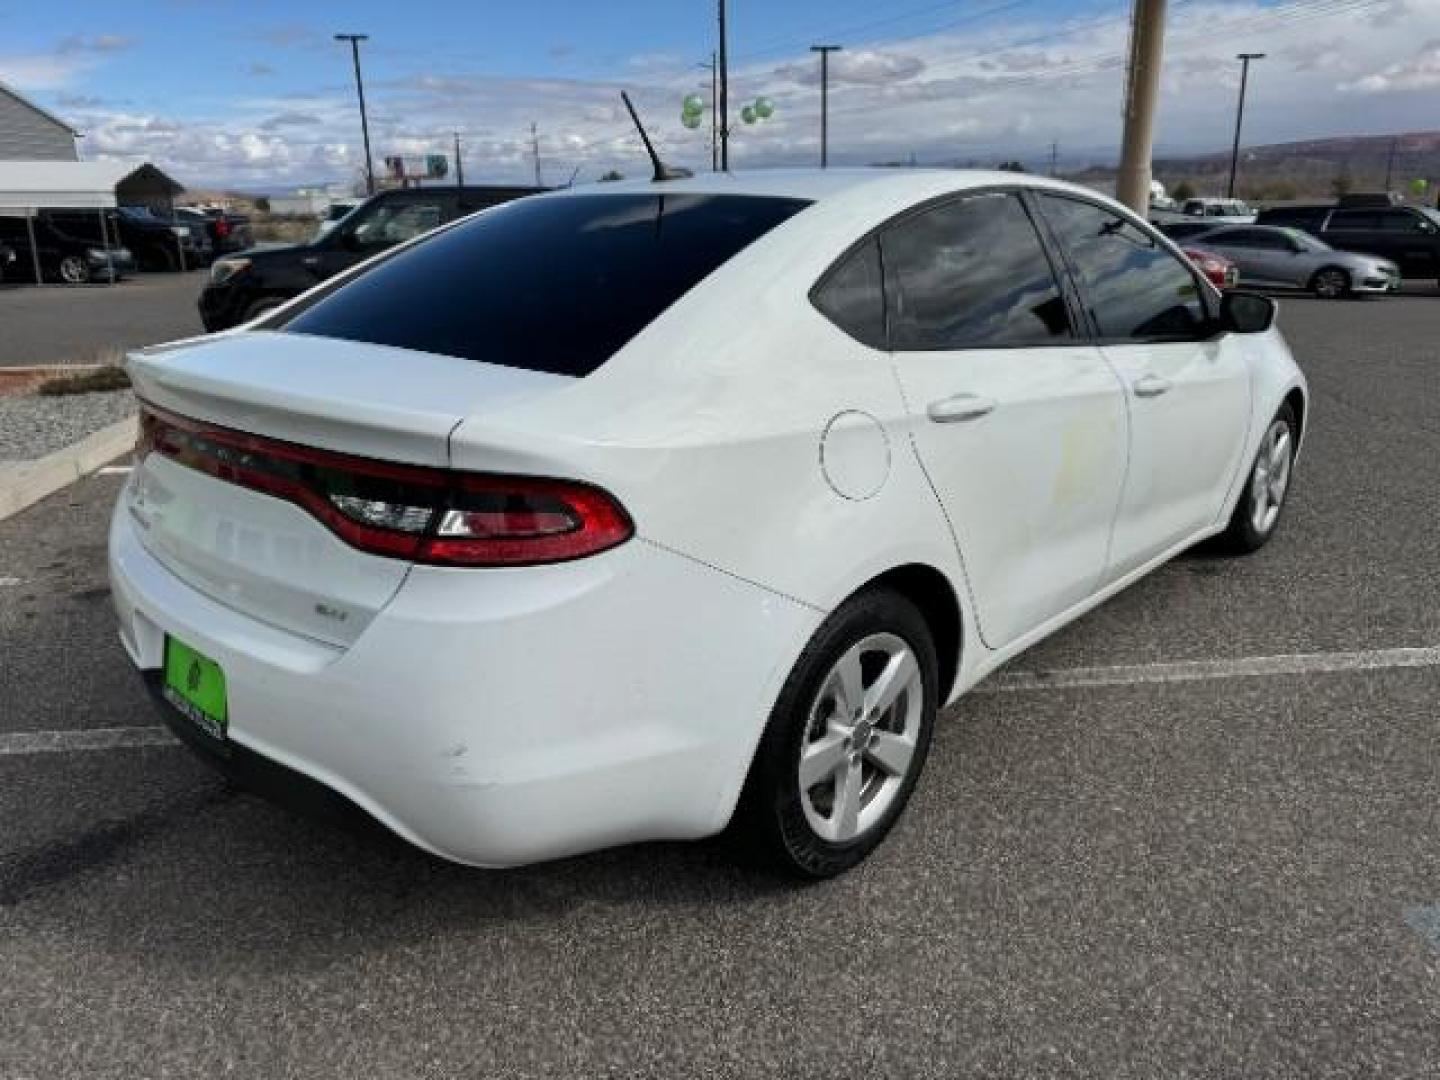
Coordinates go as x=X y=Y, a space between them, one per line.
x=311 y=262
x=1151 y=386
x=960 y=407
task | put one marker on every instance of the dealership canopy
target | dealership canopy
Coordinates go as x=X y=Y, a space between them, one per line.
x=78 y=185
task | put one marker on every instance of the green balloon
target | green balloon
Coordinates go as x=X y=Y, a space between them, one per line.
x=748 y=114
x=690 y=120
x=693 y=106
x=764 y=108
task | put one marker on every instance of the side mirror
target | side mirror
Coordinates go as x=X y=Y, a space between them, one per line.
x=1246 y=312
x=349 y=241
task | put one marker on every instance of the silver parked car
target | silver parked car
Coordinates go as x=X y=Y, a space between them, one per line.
x=1288 y=258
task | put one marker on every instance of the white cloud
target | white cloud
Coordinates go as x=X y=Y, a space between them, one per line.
x=862 y=67
x=1420 y=72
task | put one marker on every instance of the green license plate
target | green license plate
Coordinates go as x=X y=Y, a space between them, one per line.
x=195 y=685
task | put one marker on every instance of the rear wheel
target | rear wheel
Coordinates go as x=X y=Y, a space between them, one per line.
x=74 y=270
x=1258 y=512
x=1330 y=283
x=846 y=741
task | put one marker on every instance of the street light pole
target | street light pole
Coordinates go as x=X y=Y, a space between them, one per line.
x=824 y=51
x=354 y=40
x=724 y=96
x=1244 y=59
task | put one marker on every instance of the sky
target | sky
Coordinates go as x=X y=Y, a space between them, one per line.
x=257 y=94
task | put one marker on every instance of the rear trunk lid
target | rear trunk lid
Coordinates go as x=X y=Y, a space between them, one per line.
x=260 y=554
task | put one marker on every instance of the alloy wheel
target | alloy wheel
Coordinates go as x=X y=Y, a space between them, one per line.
x=861 y=739
x=1331 y=284
x=1271 y=478
x=73 y=270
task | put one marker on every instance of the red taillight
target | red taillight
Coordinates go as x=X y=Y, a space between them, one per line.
x=410 y=512
x=222 y=228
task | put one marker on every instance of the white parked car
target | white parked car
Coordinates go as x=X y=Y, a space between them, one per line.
x=1229 y=211
x=639 y=510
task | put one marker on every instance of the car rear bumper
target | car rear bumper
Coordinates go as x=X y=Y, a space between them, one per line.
x=497 y=717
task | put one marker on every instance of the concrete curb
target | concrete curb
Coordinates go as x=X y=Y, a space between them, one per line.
x=25 y=483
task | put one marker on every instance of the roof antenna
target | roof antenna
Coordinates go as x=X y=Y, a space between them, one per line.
x=662 y=171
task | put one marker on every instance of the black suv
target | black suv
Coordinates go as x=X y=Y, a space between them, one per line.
x=162 y=243
x=1406 y=235
x=245 y=286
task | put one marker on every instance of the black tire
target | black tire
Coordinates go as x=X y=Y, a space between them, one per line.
x=1243 y=535
x=770 y=822
x=1331 y=283
x=263 y=306
x=73 y=270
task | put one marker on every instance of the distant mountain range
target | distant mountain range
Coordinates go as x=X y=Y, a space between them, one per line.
x=1300 y=169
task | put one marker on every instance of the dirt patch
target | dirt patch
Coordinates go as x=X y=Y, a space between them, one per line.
x=108 y=377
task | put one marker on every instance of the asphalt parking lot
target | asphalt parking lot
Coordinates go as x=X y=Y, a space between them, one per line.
x=68 y=324
x=1165 y=858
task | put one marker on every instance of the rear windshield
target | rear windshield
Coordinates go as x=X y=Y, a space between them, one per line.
x=555 y=285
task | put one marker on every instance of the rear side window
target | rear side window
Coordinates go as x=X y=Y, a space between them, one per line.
x=1354 y=220
x=549 y=284
x=852 y=295
x=971 y=274
x=1307 y=219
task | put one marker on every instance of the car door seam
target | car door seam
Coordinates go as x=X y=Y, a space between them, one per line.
x=935 y=493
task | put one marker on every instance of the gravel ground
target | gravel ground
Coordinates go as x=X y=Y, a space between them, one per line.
x=32 y=426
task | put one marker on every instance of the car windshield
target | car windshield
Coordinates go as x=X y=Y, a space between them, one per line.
x=549 y=284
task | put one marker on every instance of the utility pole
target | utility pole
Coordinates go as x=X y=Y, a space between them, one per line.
x=459 y=165
x=714 y=114
x=824 y=51
x=354 y=40
x=724 y=96
x=1244 y=59
x=1054 y=158
x=535 y=151
x=1390 y=164
x=714 y=68
x=1142 y=87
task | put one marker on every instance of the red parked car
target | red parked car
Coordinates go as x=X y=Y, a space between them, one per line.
x=1221 y=272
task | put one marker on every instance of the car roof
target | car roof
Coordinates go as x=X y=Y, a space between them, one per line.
x=819 y=185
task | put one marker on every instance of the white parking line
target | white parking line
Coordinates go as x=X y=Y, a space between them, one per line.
x=65 y=742
x=114 y=470
x=1197 y=670
x=6 y=582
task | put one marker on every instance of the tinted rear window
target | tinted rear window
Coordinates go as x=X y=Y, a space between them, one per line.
x=554 y=285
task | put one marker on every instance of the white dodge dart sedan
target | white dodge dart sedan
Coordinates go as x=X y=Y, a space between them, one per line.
x=645 y=510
